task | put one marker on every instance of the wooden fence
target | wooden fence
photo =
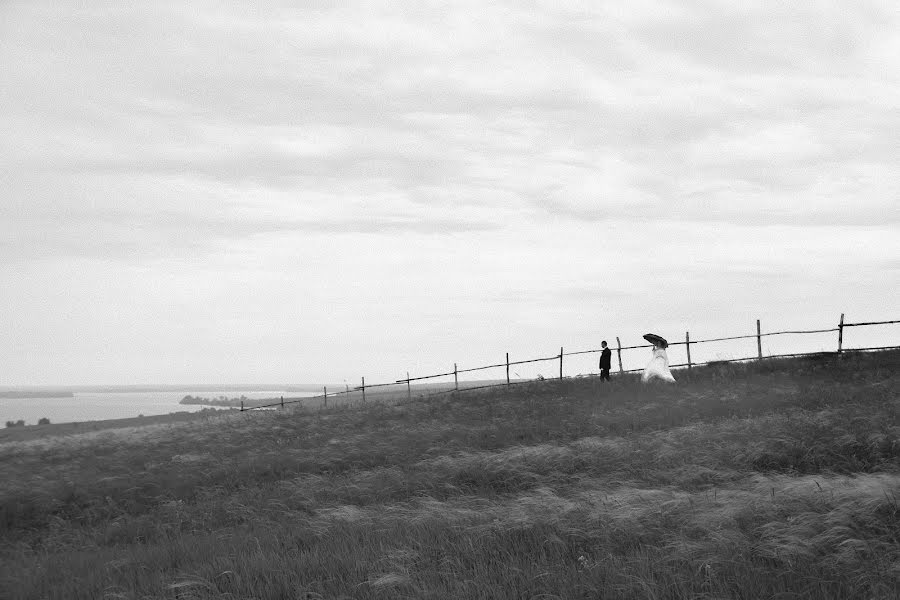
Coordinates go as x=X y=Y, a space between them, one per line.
x=688 y=342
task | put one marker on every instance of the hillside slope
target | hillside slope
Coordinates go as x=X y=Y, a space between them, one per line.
x=778 y=479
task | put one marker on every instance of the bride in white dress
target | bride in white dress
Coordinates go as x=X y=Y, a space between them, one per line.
x=659 y=364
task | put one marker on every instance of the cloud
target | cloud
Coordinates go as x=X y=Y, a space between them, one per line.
x=137 y=237
x=693 y=111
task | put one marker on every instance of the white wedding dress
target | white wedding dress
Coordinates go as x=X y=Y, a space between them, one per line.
x=658 y=367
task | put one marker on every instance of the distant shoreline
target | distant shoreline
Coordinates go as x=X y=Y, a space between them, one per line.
x=20 y=394
x=36 y=391
x=18 y=434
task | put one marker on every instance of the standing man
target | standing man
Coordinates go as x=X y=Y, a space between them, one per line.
x=605 y=361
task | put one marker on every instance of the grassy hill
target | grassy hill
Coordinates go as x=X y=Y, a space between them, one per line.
x=771 y=480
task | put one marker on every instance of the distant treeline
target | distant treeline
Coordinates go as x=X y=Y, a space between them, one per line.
x=21 y=422
x=229 y=402
x=36 y=394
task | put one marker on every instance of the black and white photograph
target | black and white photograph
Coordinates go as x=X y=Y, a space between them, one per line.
x=514 y=300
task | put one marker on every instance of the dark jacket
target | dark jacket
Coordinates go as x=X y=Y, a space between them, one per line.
x=605 y=358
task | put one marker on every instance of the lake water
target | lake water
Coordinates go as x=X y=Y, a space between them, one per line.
x=94 y=406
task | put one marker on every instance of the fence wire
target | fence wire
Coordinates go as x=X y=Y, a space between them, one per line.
x=559 y=357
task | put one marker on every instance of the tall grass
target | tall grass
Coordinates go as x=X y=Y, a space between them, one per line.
x=770 y=480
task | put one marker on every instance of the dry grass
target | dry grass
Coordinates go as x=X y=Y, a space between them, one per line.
x=778 y=480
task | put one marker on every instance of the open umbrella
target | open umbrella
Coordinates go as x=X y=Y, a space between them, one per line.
x=656 y=340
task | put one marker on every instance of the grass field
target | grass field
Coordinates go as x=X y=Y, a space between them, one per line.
x=771 y=480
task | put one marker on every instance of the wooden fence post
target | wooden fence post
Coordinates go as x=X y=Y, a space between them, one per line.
x=560 y=362
x=455 y=378
x=282 y=402
x=619 y=352
x=325 y=395
x=687 y=344
x=758 y=340
x=364 y=388
x=408 y=388
x=507 y=369
x=242 y=406
x=841 y=334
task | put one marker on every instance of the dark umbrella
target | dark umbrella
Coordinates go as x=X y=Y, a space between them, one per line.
x=656 y=340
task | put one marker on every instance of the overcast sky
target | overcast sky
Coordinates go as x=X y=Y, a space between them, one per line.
x=316 y=191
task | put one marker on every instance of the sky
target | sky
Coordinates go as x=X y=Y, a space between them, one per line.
x=318 y=191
